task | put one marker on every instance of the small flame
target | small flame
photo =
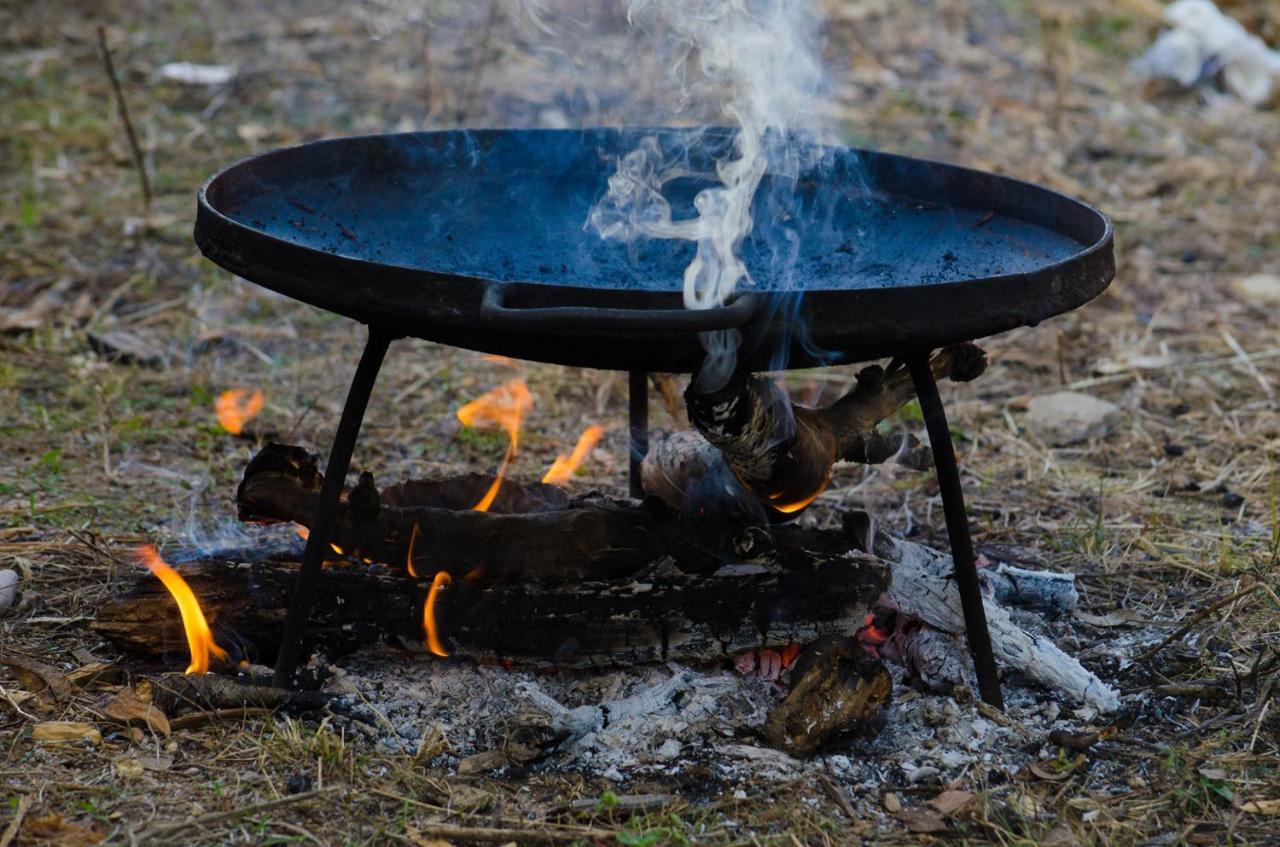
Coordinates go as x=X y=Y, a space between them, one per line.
x=504 y=406
x=236 y=407
x=564 y=466
x=442 y=578
x=305 y=533
x=790 y=508
x=413 y=539
x=199 y=637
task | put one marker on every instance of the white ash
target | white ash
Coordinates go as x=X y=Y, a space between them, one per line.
x=395 y=701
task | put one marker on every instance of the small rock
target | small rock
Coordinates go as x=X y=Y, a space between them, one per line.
x=892 y=804
x=8 y=588
x=1259 y=289
x=668 y=750
x=299 y=783
x=1067 y=417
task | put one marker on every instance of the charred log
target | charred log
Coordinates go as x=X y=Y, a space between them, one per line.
x=782 y=453
x=658 y=615
x=548 y=542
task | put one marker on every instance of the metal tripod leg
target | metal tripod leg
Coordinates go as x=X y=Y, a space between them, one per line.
x=321 y=530
x=966 y=572
x=638 y=389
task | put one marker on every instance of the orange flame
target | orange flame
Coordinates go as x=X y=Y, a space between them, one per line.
x=564 y=466
x=504 y=406
x=413 y=539
x=790 y=508
x=442 y=578
x=236 y=407
x=305 y=533
x=199 y=637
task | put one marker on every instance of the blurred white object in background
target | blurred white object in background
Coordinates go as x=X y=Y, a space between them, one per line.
x=1204 y=41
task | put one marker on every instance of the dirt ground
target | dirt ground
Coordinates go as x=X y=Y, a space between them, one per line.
x=116 y=336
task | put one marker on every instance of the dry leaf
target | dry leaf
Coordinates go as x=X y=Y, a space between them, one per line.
x=156 y=763
x=1261 y=807
x=52 y=829
x=126 y=768
x=1060 y=836
x=952 y=801
x=922 y=820
x=95 y=673
x=421 y=840
x=37 y=677
x=1116 y=617
x=1056 y=770
x=131 y=710
x=1026 y=805
x=65 y=732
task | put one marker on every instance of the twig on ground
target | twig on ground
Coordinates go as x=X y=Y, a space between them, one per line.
x=451 y=832
x=11 y=831
x=231 y=814
x=1191 y=622
x=123 y=108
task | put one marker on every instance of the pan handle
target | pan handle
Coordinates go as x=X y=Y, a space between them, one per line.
x=591 y=319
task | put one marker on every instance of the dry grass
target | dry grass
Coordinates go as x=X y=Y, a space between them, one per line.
x=1176 y=510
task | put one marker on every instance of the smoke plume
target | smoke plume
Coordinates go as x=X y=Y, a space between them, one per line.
x=761 y=57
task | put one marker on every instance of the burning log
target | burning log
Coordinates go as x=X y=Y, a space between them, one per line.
x=657 y=615
x=783 y=453
x=528 y=533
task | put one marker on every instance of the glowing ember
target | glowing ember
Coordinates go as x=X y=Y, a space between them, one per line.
x=872 y=634
x=442 y=578
x=236 y=407
x=503 y=407
x=199 y=637
x=564 y=466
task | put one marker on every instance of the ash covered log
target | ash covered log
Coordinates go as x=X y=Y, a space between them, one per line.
x=783 y=453
x=923 y=588
x=658 y=615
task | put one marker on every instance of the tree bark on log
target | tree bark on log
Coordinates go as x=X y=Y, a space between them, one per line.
x=783 y=453
x=662 y=614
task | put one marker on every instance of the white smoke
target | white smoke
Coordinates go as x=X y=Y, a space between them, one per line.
x=762 y=57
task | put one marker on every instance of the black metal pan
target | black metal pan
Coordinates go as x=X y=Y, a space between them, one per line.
x=477 y=239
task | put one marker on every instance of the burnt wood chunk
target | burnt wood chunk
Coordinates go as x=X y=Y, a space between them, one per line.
x=838 y=691
x=783 y=453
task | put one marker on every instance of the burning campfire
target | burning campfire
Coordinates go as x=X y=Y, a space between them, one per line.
x=709 y=584
x=580 y=580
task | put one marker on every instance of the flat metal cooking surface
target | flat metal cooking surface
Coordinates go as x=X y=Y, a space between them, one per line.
x=409 y=231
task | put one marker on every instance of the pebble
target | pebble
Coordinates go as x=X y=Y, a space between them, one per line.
x=8 y=588
x=1068 y=417
x=1259 y=289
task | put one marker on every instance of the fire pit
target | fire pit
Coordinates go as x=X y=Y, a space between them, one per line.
x=476 y=239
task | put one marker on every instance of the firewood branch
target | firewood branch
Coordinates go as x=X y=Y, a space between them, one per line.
x=783 y=453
